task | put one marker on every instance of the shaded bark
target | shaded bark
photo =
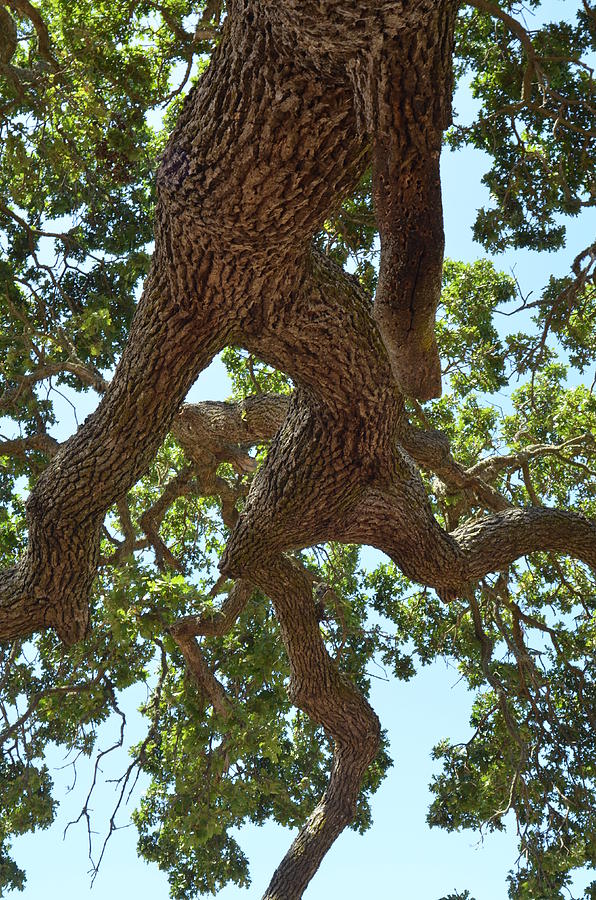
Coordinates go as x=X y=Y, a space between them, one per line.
x=403 y=94
x=116 y=444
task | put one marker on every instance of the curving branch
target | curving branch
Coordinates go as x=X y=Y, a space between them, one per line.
x=75 y=367
x=231 y=264
x=582 y=445
x=431 y=451
x=179 y=486
x=213 y=623
x=204 y=678
x=329 y=698
x=525 y=39
x=51 y=584
x=19 y=446
x=493 y=543
x=317 y=687
x=210 y=433
x=32 y=13
x=214 y=432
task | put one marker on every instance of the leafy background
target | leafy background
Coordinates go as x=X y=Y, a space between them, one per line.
x=85 y=107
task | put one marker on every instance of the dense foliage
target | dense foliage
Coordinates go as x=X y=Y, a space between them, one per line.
x=88 y=92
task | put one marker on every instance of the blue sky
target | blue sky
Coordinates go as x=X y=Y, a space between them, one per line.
x=399 y=857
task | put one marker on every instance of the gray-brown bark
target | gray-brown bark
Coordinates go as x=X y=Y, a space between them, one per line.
x=298 y=98
x=329 y=698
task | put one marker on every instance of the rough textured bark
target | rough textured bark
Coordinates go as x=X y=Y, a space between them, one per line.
x=330 y=699
x=299 y=97
x=403 y=95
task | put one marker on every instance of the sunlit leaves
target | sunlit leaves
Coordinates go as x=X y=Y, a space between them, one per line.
x=80 y=132
x=535 y=122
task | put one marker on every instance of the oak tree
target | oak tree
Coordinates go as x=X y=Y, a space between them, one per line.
x=246 y=164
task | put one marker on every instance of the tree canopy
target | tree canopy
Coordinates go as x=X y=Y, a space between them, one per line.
x=261 y=180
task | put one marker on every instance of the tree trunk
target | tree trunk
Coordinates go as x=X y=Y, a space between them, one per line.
x=298 y=99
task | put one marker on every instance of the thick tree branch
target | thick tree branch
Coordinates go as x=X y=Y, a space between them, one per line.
x=219 y=431
x=214 y=274
x=19 y=446
x=494 y=542
x=403 y=93
x=110 y=451
x=329 y=698
x=317 y=687
x=430 y=449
